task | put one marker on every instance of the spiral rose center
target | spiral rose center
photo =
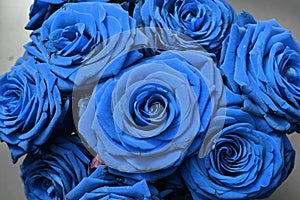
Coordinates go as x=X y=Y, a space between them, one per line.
x=70 y=40
x=191 y=16
x=46 y=184
x=292 y=75
x=11 y=101
x=229 y=153
x=150 y=107
x=43 y=184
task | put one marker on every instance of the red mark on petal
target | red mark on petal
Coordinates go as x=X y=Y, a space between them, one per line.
x=96 y=162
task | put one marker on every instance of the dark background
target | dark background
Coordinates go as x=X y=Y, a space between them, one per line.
x=13 y=17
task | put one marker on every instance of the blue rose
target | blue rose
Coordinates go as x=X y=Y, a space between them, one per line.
x=102 y=185
x=153 y=114
x=261 y=63
x=244 y=162
x=41 y=10
x=30 y=107
x=56 y=169
x=81 y=34
x=205 y=22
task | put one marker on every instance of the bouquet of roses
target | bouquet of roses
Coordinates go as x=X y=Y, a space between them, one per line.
x=151 y=99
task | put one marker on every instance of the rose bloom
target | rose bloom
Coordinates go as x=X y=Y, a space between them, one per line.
x=30 y=107
x=56 y=169
x=261 y=62
x=186 y=23
x=152 y=114
x=79 y=35
x=243 y=162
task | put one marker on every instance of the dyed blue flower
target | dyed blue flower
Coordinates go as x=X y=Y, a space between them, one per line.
x=152 y=114
x=261 y=63
x=81 y=36
x=241 y=162
x=30 y=107
x=183 y=22
x=56 y=169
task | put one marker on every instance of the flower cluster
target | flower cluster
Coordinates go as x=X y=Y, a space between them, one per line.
x=151 y=99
